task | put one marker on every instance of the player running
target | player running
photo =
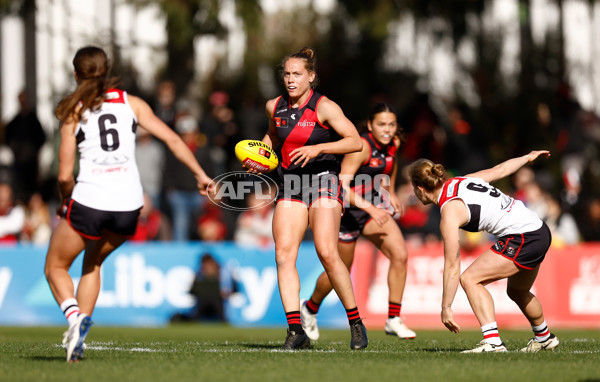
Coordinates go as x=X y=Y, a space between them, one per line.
x=100 y=209
x=313 y=133
x=373 y=202
x=523 y=239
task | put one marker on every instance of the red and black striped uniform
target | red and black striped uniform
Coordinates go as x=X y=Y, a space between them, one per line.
x=380 y=162
x=298 y=127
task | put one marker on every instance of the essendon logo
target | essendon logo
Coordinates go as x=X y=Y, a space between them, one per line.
x=280 y=122
x=264 y=153
x=375 y=162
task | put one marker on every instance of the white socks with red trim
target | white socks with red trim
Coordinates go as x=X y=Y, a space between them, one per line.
x=490 y=333
x=71 y=310
x=541 y=332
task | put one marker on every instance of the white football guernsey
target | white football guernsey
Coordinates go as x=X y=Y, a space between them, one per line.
x=490 y=210
x=108 y=177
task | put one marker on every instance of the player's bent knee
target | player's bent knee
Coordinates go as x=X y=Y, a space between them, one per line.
x=466 y=281
x=327 y=254
x=517 y=295
x=463 y=280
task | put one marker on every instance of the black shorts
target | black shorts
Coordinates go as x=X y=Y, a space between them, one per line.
x=89 y=222
x=526 y=250
x=308 y=188
x=355 y=219
x=352 y=223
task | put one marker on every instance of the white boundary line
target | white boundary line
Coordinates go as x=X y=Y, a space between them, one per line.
x=108 y=346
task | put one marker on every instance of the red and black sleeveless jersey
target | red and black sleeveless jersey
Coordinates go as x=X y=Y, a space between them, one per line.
x=381 y=161
x=297 y=127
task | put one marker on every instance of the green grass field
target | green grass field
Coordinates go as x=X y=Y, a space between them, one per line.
x=221 y=353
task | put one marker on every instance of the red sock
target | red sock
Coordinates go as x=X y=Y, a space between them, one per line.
x=353 y=315
x=294 y=321
x=312 y=306
x=394 y=309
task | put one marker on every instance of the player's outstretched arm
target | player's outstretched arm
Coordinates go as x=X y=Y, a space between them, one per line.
x=149 y=121
x=454 y=215
x=509 y=167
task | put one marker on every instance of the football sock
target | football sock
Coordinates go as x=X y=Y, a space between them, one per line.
x=294 y=322
x=353 y=315
x=71 y=310
x=541 y=332
x=490 y=333
x=312 y=306
x=394 y=309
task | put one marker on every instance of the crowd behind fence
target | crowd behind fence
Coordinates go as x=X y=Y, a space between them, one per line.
x=564 y=191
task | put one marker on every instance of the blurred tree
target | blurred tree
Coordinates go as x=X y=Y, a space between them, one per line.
x=10 y=7
x=186 y=19
x=25 y=9
x=351 y=55
x=351 y=42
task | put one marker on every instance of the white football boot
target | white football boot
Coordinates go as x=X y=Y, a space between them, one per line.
x=533 y=346
x=74 y=337
x=396 y=327
x=309 y=323
x=485 y=347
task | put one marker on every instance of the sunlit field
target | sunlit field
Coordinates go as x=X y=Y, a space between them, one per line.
x=197 y=352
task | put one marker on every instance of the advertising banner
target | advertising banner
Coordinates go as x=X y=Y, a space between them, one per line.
x=568 y=286
x=148 y=284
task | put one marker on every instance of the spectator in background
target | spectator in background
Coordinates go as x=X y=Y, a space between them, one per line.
x=211 y=225
x=38 y=224
x=152 y=224
x=590 y=224
x=12 y=215
x=220 y=128
x=464 y=150
x=6 y=163
x=164 y=106
x=577 y=143
x=25 y=136
x=252 y=117
x=254 y=227
x=535 y=199
x=520 y=180
x=208 y=292
x=419 y=222
x=150 y=158
x=562 y=224
x=206 y=288
x=185 y=202
x=424 y=135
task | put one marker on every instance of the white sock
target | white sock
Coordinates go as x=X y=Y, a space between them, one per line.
x=490 y=333
x=71 y=310
x=541 y=332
